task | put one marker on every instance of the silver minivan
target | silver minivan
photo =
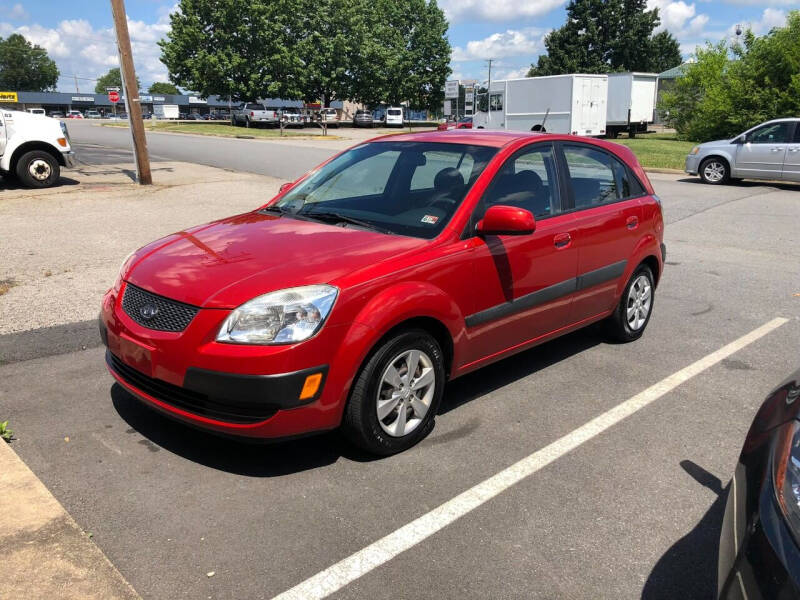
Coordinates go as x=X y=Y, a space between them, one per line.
x=767 y=151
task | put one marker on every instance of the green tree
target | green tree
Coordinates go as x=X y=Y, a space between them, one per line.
x=162 y=87
x=600 y=36
x=242 y=50
x=111 y=79
x=405 y=55
x=25 y=66
x=731 y=88
x=666 y=52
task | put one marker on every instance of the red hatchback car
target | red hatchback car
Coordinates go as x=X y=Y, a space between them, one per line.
x=361 y=288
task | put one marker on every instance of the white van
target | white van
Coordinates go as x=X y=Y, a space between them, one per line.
x=394 y=117
x=37 y=111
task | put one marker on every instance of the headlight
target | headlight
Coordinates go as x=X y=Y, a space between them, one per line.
x=786 y=473
x=695 y=150
x=281 y=317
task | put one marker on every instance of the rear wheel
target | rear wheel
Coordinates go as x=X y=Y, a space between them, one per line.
x=396 y=395
x=714 y=170
x=38 y=169
x=632 y=315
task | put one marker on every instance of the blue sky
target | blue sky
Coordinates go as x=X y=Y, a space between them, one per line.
x=79 y=37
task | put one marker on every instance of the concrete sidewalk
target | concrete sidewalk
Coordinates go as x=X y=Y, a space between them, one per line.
x=44 y=552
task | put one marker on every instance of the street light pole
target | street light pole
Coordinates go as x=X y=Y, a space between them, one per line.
x=489 y=95
x=131 y=91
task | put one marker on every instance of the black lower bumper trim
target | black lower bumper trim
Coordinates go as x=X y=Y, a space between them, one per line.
x=226 y=397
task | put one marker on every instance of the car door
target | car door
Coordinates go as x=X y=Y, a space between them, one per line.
x=604 y=196
x=791 y=163
x=762 y=154
x=522 y=283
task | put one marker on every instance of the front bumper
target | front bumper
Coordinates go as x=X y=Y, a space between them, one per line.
x=250 y=391
x=692 y=164
x=70 y=159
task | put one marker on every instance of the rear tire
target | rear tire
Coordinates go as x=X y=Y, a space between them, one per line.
x=396 y=394
x=632 y=314
x=714 y=171
x=38 y=169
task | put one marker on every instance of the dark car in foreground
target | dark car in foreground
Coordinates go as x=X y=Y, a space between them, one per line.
x=354 y=295
x=759 y=548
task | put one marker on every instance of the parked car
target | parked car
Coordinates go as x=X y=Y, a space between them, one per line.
x=770 y=150
x=34 y=148
x=93 y=114
x=74 y=114
x=57 y=114
x=363 y=118
x=348 y=302
x=291 y=117
x=394 y=117
x=253 y=114
x=195 y=117
x=36 y=111
x=147 y=114
x=462 y=123
x=183 y=115
x=759 y=545
x=122 y=115
x=329 y=116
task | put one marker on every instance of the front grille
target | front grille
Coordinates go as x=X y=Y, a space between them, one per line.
x=167 y=315
x=190 y=401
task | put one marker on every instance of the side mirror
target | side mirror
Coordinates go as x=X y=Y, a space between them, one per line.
x=739 y=140
x=286 y=185
x=506 y=220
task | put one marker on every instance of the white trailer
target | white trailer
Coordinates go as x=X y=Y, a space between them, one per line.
x=166 y=111
x=573 y=104
x=631 y=102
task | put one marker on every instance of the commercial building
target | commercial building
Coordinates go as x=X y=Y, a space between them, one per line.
x=60 y=101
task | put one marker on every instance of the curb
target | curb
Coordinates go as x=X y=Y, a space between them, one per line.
x=666 y=171
x=45 y=553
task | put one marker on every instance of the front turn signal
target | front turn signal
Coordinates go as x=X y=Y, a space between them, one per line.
x=62 y=142
x=311 y=386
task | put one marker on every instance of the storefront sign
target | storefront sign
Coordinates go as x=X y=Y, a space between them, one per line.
x=196 y=100
x=83 y=98
x=8 y=97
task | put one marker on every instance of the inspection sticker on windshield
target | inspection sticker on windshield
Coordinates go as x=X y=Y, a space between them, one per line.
x=430 y=219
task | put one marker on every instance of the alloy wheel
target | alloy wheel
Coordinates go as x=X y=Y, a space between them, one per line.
x=405 y=392
x=714 y=171
x=640 y=299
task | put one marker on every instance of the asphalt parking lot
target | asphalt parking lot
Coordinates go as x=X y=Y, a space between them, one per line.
x=633 y=511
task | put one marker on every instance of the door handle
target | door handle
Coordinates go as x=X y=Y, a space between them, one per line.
x=562 y=240
x=632 y=222
x=777 y=149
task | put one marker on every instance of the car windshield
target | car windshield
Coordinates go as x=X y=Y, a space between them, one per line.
x=405 y=188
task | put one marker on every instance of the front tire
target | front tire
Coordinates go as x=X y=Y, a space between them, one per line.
x=396 y=394
x=632 y=314
x=714 y=171
x=38 y=169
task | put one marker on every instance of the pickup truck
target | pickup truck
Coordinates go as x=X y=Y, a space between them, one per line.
x=252 y=114
x=33 y=148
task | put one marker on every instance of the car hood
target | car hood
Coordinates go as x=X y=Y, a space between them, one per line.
x=715 y=144
x=228 y=262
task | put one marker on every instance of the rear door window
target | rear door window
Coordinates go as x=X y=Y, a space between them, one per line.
x=592 y=176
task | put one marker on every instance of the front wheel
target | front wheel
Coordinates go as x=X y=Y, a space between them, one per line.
x=714 y=171
x=396 y=395
x=38 y=169
x=632 y=314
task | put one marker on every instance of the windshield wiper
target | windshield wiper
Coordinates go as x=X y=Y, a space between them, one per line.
x=340 y=218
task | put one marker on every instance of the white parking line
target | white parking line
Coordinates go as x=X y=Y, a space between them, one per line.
x=354 y=566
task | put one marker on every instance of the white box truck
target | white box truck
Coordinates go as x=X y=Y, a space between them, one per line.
x=631 y=102
x=573 y=104
x=166 y=111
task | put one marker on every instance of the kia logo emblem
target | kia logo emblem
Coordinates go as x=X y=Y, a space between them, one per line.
x=148 y=311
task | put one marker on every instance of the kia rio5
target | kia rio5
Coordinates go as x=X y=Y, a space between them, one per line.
x=352 y=296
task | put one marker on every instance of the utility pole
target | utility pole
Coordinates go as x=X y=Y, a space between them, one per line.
x=77 y=91
x=131 y=91
x=489 y=95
